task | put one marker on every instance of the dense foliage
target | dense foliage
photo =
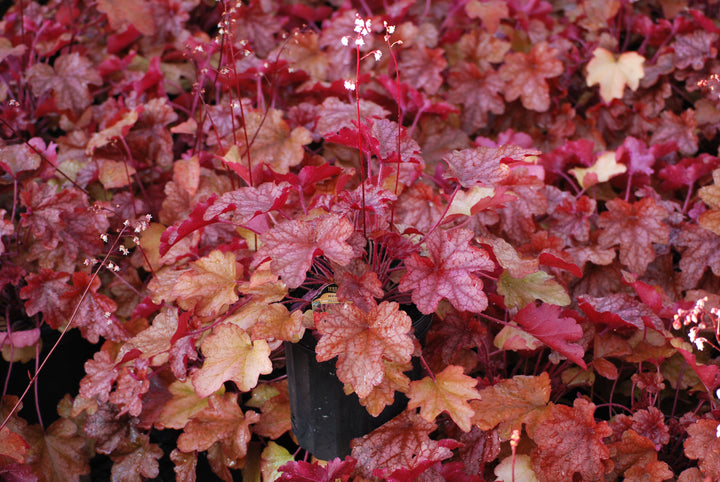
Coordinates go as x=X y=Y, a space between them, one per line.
x=181 y=178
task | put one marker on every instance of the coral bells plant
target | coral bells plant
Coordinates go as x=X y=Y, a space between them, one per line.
x=183 y=184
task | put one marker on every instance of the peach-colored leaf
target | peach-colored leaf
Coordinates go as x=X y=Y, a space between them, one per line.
x=183 y=405
x=361 y=341
x=123 y=12
x=603 y=170
x=512 y=402
x=209 y=286
x=449 y=392
x=230 y=354
x=613 y=74
x=221 y=421
x=703 y=445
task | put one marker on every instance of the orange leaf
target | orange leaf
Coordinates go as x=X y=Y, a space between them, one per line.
x=272 y=140
x=613 y=75
x=12 y=445
x=512 y=402
x=183 y=406
x=230 y=354
x=122 y=12
x=58 y=453
x=384 y=394
x=221 y=421
x=703 y=445
x=449 y=392
x=361 y=341
x=568 y=442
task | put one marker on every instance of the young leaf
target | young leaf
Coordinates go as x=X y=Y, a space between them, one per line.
x=614 y=74
x=230 y=354
x=449 y=392
x=362 y=341
x=545 y=324
x=447 y=273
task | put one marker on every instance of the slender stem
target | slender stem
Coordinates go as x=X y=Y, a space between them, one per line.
x=68 y=325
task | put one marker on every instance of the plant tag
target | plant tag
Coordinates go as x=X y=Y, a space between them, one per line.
x=328 y=296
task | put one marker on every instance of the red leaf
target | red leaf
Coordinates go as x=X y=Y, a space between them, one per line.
x=94 y=315
x=636 y=155
x=402 y=443
x=197 y=219
x=334 y=470
x=44 y=293
x=619 y=310
x=687 y=171
x=635 y=227
x=545 y=324
x=293 y=244
x=482 y=165
x=68 y=79
x=447 y=272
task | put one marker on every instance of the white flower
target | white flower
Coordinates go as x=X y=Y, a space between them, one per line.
x=349 y=85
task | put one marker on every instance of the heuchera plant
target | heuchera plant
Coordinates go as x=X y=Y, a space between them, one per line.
x=181 y=179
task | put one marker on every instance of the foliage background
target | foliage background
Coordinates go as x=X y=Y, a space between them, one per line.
x=170 y=168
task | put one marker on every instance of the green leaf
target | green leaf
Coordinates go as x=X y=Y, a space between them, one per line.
x=541 y=286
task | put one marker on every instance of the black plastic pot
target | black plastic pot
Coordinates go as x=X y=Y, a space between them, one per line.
x=324 y=419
